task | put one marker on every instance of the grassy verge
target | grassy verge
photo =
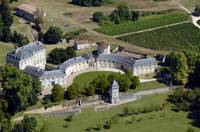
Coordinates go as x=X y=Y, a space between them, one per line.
x=149 y=122
x=4 y=49
x=149 y=85
x=177 y=37
x=144 y=23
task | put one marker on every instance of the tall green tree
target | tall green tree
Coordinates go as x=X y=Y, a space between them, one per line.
x=57 y=93
x=59 y=55
x=6 y=13
x=28 y=124
x=53 y=35
x=73 y=91
x=18 y=87
x=178 y=67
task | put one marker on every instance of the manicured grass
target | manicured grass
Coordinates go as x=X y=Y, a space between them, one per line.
x=149 y=85
x=198 y=22
x=4 y=49
x=161 y=121
x=177 y=37
x=88 y=77
x=143 y=23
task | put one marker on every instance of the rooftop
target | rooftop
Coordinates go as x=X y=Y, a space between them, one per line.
x=27 y=50
x=102 y=45
x=42 y=74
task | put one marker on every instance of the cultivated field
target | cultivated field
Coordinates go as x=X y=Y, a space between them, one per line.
x=4 y=49
x=167 y=120
x=177 y=37
x=144 y=23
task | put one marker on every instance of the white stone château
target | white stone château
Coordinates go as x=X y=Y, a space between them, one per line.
x=114 y=92
x=32 y=54
x=31 y=58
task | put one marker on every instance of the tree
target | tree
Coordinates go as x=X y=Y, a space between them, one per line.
x=6 y=13
x=57 y=93
x=124 y=83
x=135 y=82
x=28 y=124
x=5 y=123
x=19 y=39
x=90 y=90
x=89 y=3
x=197 y=10
x=6 y=20
x=98 y=17
x=135 y=15
x=178 y=67
x=53 y=35
x=18 y=87
x=59 y=55
x=73 y=91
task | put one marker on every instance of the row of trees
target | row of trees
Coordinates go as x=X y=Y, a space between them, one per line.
x=91 y=2
x=100 y=85
x=119 y=15
x=184 y=67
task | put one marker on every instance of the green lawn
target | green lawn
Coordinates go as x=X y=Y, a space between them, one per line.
x=88 y=77
x=144 y=23
x=162 y=121
x=198 y=22
x=177 y=37
x=4 y=49
x=149 y=85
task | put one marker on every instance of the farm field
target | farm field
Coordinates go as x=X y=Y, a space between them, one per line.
x=4 y=49
x=177 y=37
x=148 y=122
x=144 y=23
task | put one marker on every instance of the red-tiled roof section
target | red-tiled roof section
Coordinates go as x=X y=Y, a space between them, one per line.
x=102 y=45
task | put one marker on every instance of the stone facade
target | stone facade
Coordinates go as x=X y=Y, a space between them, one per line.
x=32 y=54
x=114 y=92
x=31 y=58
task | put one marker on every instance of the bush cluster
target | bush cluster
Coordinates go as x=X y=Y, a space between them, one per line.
x=119 y=15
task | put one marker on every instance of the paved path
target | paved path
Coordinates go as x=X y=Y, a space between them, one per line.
x=195 y=20
x=150 y=29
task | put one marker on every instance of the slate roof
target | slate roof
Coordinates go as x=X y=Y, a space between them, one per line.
x=42 y=74
x=27 y=50
x=145 y=62
x=72 y=61
x=113 y=57
x=109 y=57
